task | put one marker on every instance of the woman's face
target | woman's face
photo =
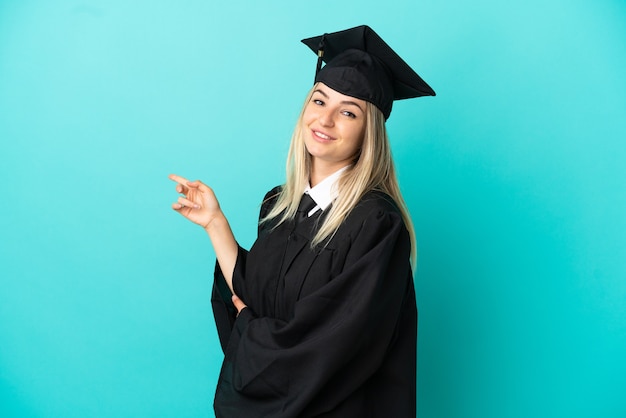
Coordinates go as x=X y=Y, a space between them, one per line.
x=333 y=126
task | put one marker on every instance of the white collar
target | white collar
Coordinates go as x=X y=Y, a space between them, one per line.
x=325 y=191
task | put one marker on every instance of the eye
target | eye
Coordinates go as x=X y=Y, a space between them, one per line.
x=348 y=114
x=318 y=102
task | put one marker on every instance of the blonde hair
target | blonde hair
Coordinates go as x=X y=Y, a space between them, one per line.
x=372 y=169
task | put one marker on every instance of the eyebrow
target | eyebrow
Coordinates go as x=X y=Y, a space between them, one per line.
x=345 y=102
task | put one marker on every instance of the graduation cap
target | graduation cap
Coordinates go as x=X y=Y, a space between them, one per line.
x=360 y=64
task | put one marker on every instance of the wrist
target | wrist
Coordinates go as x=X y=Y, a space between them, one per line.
x=215 y=222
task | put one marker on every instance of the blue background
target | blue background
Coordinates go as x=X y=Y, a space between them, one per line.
x=514 y=175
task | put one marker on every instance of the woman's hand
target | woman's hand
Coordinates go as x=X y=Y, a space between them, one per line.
x=238 y=304
x=197 y=203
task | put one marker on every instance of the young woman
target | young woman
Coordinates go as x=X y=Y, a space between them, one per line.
x=319 y=318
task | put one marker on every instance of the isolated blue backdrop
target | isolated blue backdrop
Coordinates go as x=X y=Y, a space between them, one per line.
x=514 y=175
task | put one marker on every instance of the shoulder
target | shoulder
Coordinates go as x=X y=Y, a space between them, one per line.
x=377 y=204
x=375 y=222
x=270 y=200
x=377 y=200
x=273 y=194
x=375 y=210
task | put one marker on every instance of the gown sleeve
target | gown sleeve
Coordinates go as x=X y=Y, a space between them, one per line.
x=224 y=310
x=337 y=339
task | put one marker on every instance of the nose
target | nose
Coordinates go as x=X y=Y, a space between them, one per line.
x=326 y=117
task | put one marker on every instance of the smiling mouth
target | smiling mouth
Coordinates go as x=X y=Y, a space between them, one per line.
x=322 y=136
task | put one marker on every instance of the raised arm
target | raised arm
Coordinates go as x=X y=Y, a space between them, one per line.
x=199 y=204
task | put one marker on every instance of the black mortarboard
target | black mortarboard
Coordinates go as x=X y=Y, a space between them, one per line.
x=360 y=64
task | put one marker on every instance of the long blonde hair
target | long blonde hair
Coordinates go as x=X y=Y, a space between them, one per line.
x=372 y=169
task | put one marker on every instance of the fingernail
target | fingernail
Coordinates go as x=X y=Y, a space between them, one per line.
x=196 y=206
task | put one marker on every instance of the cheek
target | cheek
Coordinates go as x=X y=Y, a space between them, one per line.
x=308 y=116
x=357 y=137
x=304 y=124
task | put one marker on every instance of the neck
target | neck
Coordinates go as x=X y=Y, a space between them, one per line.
x=321 y=170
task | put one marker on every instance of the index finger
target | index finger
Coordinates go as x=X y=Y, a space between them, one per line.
x=178 y=179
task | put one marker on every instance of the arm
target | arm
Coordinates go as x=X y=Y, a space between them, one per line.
x=199 y=204
x=226 y=308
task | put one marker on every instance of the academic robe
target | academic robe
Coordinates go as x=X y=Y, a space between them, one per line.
x=328 y=331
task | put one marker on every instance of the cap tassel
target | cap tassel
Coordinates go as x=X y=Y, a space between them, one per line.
x=320 y=55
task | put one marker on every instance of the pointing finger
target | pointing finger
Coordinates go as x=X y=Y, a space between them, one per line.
x=178 y=179
x=197 y=184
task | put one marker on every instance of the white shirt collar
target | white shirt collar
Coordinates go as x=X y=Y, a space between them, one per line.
x=325 y=191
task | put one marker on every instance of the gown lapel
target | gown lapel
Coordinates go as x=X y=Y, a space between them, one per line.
x=299 y=239
x=298 y=246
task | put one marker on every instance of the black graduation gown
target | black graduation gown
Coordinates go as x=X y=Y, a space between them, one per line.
x=328 y=332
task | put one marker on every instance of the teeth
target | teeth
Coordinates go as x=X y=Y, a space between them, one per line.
x=321 y=135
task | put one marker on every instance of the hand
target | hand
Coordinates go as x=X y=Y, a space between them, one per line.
x=197 y=203
x=238 y=304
